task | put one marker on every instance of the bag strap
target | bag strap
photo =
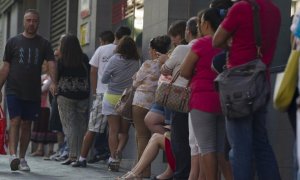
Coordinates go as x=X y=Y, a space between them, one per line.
x=176 y=77
x=1 y=113
x=294 y=44
x=257 y=30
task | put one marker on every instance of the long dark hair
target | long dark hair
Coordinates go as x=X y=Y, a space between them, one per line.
x=213 y=16
x=71 y=52
x=127 y=48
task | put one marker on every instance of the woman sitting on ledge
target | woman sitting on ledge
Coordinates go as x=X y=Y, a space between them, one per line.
x=157 y=141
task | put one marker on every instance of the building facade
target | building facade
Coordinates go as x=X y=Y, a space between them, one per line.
x=147 y=18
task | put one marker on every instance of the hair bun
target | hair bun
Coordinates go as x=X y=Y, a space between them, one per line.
x=222 y=12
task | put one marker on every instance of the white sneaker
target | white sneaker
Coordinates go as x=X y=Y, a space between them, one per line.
x=23 y=166
x=14 y=163
x=52 y=157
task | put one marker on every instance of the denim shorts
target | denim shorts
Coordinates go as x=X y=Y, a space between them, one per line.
x=25 y=109
x=163 y=111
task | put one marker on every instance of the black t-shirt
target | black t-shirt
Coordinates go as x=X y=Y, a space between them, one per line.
x=74 y=83
x=26 y=56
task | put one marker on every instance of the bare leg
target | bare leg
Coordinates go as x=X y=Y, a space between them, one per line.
x=166 y=174
x=155 y=143
x=225 y=167
x=87 y=143
x=210 y=166
x=114 y=128
x=60 y=139
x=50 y=151
x=142 y=134
x=201 y=172
x=13 y=137
x=195 y=167
x=123 y=134
x=155 y=122
x=25 y=137
x=39 y=150
x=50 y=148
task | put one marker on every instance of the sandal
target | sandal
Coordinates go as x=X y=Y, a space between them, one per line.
x=118 y=155
x=49 y=154
x=114 y=166
x=130 y=176
x=37 y=153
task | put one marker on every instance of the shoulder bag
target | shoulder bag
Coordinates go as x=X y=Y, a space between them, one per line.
x=172 y=96
x=124 y=105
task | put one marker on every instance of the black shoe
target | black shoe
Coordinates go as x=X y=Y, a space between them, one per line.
x=104 y=156
x=98 y=158
x=67 y=162
x=79 y=163
x=61 y=158
x=94 y=160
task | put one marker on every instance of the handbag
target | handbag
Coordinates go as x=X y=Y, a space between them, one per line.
x=244 y=89
x=285 y=87
x=2 y=132
x=172 y=96
x=124 y=105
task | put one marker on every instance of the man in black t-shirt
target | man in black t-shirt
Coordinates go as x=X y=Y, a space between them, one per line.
x=23 y=58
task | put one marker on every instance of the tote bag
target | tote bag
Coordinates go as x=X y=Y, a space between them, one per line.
x=285 y=87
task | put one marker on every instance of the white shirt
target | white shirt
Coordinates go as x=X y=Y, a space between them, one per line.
x=176 y=59
x=99 y=60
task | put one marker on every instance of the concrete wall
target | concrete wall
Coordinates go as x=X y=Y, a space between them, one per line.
x=280 y=132
x=14 y=19
x=89 y=48
x=45 y=13
x=72 y=16
x=160 y=14
x=103 y=18
x=283 y=45
x=155 y=21
x=100 y=20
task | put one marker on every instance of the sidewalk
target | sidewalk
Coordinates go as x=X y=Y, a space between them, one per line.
x=53 y=170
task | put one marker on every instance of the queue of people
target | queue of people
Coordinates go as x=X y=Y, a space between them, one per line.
x=194 y=141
